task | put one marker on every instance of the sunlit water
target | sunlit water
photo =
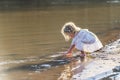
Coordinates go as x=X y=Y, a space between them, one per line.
x=29 y=38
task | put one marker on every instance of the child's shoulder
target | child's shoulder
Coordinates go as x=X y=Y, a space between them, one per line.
x=83 y=31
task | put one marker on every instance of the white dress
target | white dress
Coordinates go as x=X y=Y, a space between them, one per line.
x=86 y=41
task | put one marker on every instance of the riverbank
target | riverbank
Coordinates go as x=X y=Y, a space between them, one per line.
x=106 y=65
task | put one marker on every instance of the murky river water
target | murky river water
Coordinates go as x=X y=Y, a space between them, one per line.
x=26 y=37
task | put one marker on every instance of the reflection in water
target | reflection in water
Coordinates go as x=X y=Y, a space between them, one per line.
x=66 y=74
x=75 y=66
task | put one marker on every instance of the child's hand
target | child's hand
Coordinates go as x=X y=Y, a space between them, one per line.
x=68 y=55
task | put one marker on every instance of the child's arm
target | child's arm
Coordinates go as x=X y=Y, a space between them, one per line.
x=69 y=52
x=70 y=49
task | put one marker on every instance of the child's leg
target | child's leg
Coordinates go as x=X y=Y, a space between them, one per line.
x=82 y=56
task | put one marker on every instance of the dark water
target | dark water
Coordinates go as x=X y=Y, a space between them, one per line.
x=28 y=38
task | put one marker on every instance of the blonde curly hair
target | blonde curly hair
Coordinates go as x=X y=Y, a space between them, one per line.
x=69 y=27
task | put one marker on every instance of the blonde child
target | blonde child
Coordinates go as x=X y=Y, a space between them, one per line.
x=82 y=39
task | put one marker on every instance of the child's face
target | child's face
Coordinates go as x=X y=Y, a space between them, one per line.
x=71 y=35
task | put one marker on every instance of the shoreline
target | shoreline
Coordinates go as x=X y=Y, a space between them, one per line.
x=103 y=65
x=99 y=67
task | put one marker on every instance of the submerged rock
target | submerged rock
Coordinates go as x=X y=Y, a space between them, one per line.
x=116 y=69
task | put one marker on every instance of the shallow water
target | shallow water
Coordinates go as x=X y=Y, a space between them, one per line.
x=28 y=38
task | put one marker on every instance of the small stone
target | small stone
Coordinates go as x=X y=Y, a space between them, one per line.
x=116 y=69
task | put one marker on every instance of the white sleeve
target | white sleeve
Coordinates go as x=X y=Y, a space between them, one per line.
x=77 y=38
x=73 y=41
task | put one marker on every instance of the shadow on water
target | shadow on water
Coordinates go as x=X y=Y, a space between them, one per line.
x=41 y=66
x=47 y=64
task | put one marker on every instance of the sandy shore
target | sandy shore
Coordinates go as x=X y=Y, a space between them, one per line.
x=105 y=66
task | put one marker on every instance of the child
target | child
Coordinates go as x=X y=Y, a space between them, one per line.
x=82 y=39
